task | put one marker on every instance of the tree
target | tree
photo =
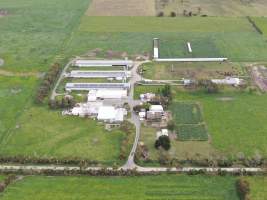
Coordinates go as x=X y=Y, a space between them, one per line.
x=173 y=14
x=164 y=142
x=171 y=125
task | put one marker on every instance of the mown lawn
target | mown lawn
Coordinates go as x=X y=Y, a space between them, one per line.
x=35 y=31
x=236 y=123
x=44 y=133
x=180 y=187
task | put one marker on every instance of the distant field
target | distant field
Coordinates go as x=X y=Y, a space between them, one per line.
x=127 y=188
x=214 y=7
x=34 y=32
x=121 y=8
x=230 y=37
x=44 y=133
x=174 y=71
x=261 y=23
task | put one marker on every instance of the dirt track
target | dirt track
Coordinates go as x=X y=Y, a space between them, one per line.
x=122 y=8
x=259 y=77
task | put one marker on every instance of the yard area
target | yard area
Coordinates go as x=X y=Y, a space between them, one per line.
x=178 y=70
x=258 y=185
x=127 y=188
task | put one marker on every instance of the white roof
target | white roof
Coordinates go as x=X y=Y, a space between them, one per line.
x=109 y=113
x=156 y=108
x=99 y=74
x=227 y=81
x=103 y=63
x=142 y=114
x=107 y=94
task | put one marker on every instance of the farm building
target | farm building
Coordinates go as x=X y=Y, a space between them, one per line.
x=155 y=112
x=147 y=97
x=99 y=74
x=85 y=109
x=111 y=114
x=95 y=86
x=93 y=95
x=228 y=81
x=102 y=63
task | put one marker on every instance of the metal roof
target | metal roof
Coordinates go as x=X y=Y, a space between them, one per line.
x=107 y=63
x=99 y=74
x=95 y=86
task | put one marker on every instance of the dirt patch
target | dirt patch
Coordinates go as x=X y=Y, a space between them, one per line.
x=3 y=13
x=122 y=8
x=259 y=76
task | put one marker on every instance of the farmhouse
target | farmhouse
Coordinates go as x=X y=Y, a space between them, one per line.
x=155 y=112
x=102 y=63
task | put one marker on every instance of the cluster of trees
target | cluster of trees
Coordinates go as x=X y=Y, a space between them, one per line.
x=61 y=103
x=243 y=189
x=127 y=128
x=47 y=83
x=208 y=86
x=7 y=181
x=163 y=142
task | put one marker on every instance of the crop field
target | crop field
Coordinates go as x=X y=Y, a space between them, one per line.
x=189 y=121
x=186 y=113
x=213 y=7
x=192 y=132
x=230 y=37
x=128 y=188
x=34 y=32
x=174 y=71
x=236 y=120
x=44 y=133
x=121 y=8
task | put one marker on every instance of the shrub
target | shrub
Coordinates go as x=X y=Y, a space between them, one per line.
x=242 y=187
x=173 y=14
x=160 y=14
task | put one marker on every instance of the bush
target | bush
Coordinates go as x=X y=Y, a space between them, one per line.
x=160 y=14
x=243 y=189
x=173 y=14
x=164 y=142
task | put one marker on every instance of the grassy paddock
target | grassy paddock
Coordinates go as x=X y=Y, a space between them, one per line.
x=127 y=188
x=235 y=125
x=44 y=133
x=258 y=185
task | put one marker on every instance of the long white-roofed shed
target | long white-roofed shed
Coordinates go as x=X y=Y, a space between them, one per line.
x=102 y=63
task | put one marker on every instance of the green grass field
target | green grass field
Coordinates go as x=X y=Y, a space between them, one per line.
x=178 y=70
x=236 y=123
x=258 y=185
x=192 y=132
x=44 y=133
x=34 y=32
x=231 y=37
x=261 y=22
x=180 y=187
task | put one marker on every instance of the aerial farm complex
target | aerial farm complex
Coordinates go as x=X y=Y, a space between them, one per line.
x=134 y=100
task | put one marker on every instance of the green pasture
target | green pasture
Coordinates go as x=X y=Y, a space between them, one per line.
x=128 y=188
x=35 y=32
x=15 y=95
x=258 y=185
x=236 y=120
x=44 y=133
